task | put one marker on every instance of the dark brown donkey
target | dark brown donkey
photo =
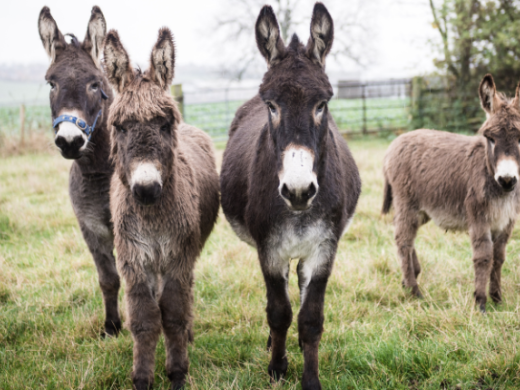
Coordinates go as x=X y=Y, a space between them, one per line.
x=461 y=183
x=164 y=201
x=79 y=108
x=289 y=183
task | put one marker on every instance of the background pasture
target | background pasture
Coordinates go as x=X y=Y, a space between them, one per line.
x=376 y=337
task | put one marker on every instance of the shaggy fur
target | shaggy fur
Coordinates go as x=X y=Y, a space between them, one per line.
x=74 y=73
x=290 y=118
x=159 y=241
x=450 y=179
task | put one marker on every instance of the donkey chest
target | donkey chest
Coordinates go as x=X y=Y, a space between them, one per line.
x=502 y=211
x=294 y=240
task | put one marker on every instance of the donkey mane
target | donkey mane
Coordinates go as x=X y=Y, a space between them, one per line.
x=73 y=40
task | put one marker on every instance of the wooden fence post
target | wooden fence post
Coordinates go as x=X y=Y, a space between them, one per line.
x=178 y=95
x=363 y=96
x=417 y=89
x=22 y=124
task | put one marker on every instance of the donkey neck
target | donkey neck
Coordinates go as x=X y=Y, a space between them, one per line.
x=97 y=160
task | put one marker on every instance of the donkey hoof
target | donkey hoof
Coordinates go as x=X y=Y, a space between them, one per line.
x=269 y=342
x=178 y=386
x=112 y=328
x=278 y=371
x=482 y=308
x=312 y=383
x=497 y=298
x=142 y=384
x=178 y=380
x=416 y=292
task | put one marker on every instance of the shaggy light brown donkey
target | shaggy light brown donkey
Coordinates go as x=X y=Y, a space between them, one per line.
x=164 y=202
x=461 y=183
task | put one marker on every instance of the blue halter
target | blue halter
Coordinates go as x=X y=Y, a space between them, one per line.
x=80 y=123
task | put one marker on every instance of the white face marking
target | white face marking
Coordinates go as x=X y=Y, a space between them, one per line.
x=507 y=167
x=145 y=173
x=69 y=130
x=297 y=173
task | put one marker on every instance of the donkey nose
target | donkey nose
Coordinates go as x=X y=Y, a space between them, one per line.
x=70 y=147
x=298 y=198
x=507 y=182
x=147 y=194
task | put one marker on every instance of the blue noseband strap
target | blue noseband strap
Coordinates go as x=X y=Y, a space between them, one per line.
x=80 y=123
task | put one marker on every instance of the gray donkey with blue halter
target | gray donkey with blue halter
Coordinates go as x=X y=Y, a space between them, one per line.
x=79 y=106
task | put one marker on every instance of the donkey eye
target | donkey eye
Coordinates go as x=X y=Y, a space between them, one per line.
x=490 y=140
x=52 y=85
x=94 y=87
x=272 y=108
x=320 y=107
x=165 y=127
x=121 y=129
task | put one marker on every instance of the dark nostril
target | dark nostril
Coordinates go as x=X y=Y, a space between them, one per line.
x=507 y=182
x=285 y=192
x=60 y=142
x=311 y=191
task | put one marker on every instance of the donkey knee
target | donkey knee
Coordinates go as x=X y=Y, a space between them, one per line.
x=279 y=317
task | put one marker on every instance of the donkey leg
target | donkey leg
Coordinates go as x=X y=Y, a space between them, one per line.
x=310 y=329
x=101 y=247
x=145 y=324
x=499 y=256
x=175 y=303
x=416 y=265
x=482 y=261
x=406 y=226
x=279 y=318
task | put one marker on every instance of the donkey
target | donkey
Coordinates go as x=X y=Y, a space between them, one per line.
x=289 y=183
x=79 y=106
x=461 y=183
x=164 y=202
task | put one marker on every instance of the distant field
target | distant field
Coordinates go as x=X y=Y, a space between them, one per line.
x=376 y=336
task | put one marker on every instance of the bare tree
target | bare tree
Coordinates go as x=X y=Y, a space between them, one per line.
x=235 y=25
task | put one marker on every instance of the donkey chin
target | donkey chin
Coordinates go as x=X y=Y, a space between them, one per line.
x=507 y=174
x=146 y=184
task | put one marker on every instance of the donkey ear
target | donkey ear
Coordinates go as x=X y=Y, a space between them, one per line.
x=488 y=95
x=117 y=62
x=52 y=39
x=96 y=31
x=162 y=61
x=322 y=34
x=268 y=37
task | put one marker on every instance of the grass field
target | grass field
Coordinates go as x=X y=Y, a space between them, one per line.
x=376 y=337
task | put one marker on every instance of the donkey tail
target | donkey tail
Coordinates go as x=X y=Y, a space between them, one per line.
x=387 y=197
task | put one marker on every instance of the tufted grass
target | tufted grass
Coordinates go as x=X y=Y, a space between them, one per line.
x=376 y=336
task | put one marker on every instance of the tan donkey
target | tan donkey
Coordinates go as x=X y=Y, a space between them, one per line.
x=164 y=203
x=461 y=183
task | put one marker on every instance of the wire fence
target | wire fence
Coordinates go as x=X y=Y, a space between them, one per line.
x=357 y=107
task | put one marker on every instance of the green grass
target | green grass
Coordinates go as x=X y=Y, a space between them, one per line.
x=376 y=336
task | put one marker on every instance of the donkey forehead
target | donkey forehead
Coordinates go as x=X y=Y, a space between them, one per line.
x=73 y=63
x=503 y=125
x=295 y=92
x=136 y=104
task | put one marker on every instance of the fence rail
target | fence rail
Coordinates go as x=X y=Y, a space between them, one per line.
x=357 y=107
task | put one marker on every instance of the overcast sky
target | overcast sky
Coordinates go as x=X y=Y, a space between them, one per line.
x=402 y=30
